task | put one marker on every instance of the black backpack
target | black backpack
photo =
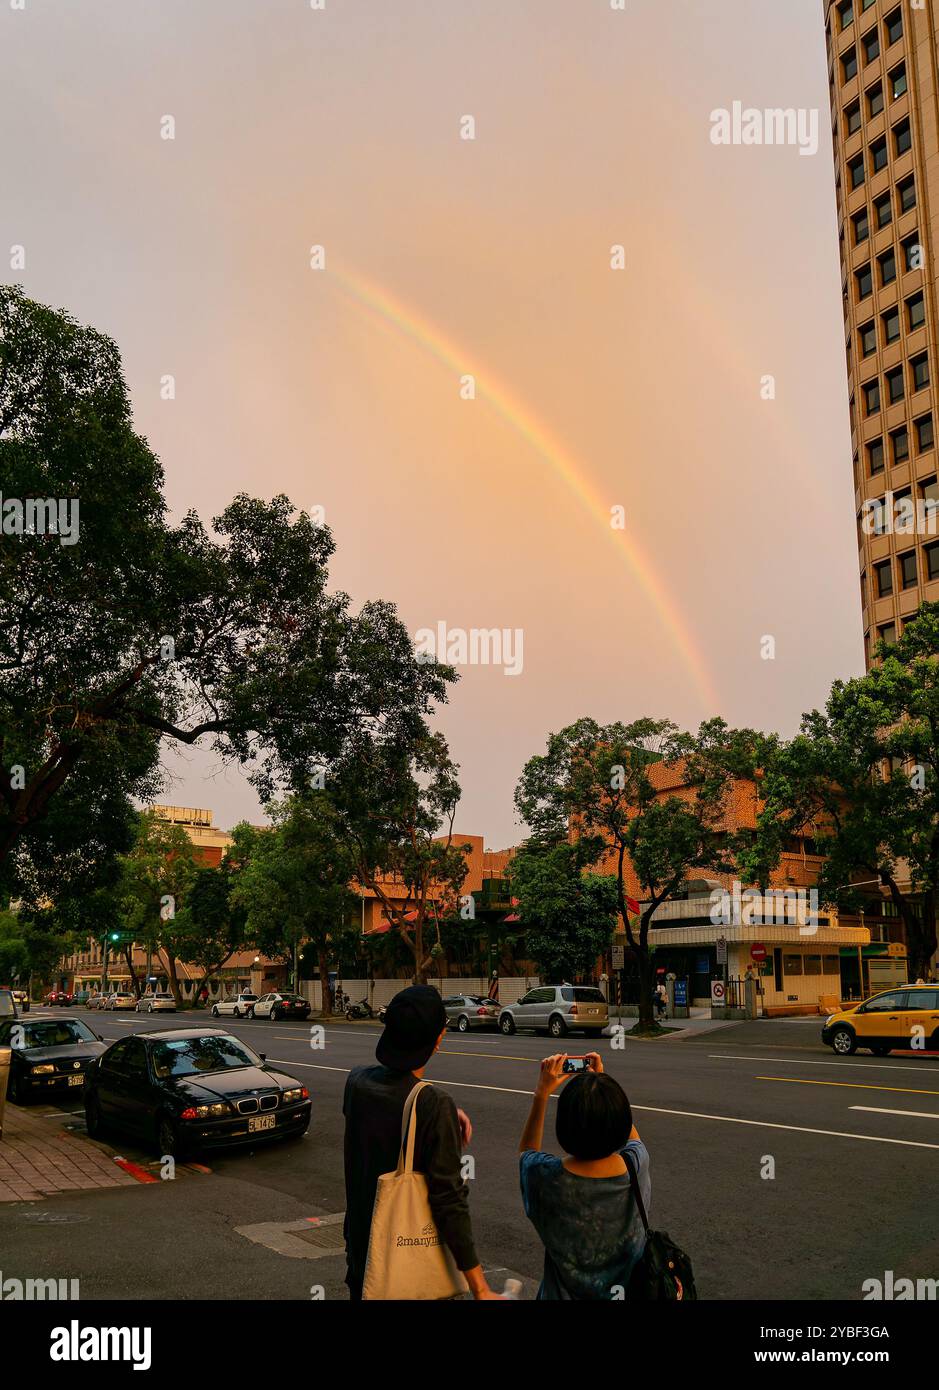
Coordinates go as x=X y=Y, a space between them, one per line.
x=662 y=1271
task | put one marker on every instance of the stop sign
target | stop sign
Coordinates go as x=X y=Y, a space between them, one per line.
x=758 y=951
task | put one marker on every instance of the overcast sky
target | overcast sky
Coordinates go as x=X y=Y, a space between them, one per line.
x=640 y=389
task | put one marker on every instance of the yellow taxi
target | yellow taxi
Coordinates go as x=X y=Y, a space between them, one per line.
x=904 y=1017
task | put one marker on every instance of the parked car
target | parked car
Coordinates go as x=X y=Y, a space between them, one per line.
x=48 y=1055
x=896 y=1018
x=239 y=1006
x=8 y=1007
x=466 y=1011
x=80 y=999
x=156 y=1003
x=558 y=1010
x=193 y=1089
x=121 y=999
x=58 y=996
x=278 y=1004
x=21 y=999
x=96 y=1001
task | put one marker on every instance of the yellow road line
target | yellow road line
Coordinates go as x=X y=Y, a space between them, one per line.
x=497 y=1056
x=849 y=1085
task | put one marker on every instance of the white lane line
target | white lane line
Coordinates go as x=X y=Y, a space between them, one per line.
x=800 y=1062
x=878 y=1110
x=464 y=1085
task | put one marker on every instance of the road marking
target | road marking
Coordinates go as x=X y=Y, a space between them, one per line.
x=916 y=1114
x=847 y=1085
x=802 y=1062
x=496 y=1056
x=445 y=1081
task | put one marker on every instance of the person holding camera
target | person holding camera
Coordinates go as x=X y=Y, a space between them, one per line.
x=583 y=1206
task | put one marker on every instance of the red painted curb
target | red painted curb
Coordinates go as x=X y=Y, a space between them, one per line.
x=135 y=1170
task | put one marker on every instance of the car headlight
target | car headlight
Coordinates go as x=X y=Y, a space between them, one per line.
x=298 y=1093
x=207 y=1112
x=44 y=1068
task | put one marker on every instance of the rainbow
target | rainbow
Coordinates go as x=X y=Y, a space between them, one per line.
x=384 y=306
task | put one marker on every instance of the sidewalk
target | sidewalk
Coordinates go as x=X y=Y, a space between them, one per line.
x=38 y=1158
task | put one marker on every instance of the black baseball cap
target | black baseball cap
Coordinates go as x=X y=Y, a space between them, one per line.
x=414 y=1020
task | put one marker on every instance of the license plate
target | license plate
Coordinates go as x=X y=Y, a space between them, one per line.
x=76 y=1080
x=260 y=1122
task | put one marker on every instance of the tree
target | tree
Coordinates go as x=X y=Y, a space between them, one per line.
x=397 y=801
x=134 y=632
x=864 y=774
x=599 y=785
x=568 y=915
x=295 y=883
x=157 y=876
x=210 y=927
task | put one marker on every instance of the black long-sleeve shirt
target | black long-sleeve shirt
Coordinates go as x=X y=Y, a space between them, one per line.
x=373 y=1105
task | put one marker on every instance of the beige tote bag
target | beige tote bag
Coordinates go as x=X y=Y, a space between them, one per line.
x=406 y=1257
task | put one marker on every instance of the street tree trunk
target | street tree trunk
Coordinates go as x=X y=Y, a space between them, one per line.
x=323 y=962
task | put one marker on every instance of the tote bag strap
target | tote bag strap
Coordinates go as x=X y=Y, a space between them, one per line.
x=634 y=1185
x=409 y=1129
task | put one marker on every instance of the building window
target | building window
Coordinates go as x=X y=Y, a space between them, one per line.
x=931 y=553
x=868 y=337
x=862 y=227
x=883 y=210
x=849 y=65
x=895 y=389
x=875 y=99
x=872 y=398
x=865 y=281
x=902 y=138
x=891 y=322
x=893 y=25
x=897 y=80
x=875 y=456
x=888 y=267
x=920 y=366
x=912 y=253
x=845 y=15
x=916 y=311
x=856 y=171
x=871 y=46
x=924 y=433
x=888 y=634
x=907 y=563
x=878 y=153
x=899 y=445
x=852 y=118
x=906 y=193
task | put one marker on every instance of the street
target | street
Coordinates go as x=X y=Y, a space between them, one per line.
x=784 y=1171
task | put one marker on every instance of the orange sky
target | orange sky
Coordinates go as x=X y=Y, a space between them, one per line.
x=598 y=388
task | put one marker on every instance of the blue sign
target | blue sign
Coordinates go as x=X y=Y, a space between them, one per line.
x=681 y=994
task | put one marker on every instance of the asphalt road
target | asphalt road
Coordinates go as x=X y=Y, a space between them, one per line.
x=784 y=1171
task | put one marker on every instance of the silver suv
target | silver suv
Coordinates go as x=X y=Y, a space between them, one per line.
x=558 y=1009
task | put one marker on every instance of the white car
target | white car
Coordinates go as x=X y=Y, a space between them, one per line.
x=239 y=1006
x=121 y=999
x=280 y=1004
x=156 y=1003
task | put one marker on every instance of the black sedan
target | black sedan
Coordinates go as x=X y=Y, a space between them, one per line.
x=48 y=1055
x=193 y=1088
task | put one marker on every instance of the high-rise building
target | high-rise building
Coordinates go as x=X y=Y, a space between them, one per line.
x=884 y=86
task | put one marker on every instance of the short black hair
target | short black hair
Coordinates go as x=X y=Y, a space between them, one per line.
x=594 y=1118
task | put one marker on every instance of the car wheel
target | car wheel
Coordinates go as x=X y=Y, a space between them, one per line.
x=249 y=1013
x=880 y=1049
x=168 y=1140
x=507 y=1025
x=16 y=1089
x=463 y=1023
x=149 y=1008
x=93 y=1117
x=235 y=1013
x=215 y=1011
x=556 y=1026
x=843 y=1042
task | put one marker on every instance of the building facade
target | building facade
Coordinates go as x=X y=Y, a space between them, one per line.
x=884 y=89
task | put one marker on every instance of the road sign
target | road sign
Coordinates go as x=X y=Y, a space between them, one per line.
x=619 y=957
x=718 y=993
x=681 y=994
x=722 y=950
x=758 y=951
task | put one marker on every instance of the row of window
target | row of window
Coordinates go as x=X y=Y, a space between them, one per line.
x=846 y=12
x=903 y=515
x=900 y=445
x=877 y=153
x=912 y=253
x=906 y=567
x=883 y=210
x=895 y=384
x=890 y=324
x=870 y=44
x=874 y=99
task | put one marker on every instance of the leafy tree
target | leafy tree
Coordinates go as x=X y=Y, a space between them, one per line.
x=14 y=956
x=864 y=774
x=598 y=783
x=142 y=632
x=157 y=876
x=295 y=883
x=568 y=915
x=210 y=927
x=397 y=801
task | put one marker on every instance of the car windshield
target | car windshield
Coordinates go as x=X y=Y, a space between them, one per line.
x=55 y=1033
x=191 y=1056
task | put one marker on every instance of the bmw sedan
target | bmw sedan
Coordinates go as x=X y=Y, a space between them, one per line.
x=48 y=1056
x=192 y=1089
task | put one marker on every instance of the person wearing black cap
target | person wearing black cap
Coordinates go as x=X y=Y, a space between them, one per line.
x=373 y=1104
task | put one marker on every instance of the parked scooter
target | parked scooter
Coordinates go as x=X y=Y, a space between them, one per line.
x=360 y=1010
